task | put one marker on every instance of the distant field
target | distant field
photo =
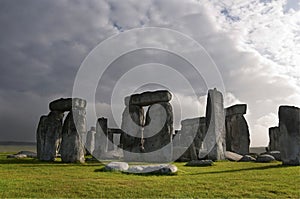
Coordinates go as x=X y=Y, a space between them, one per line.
x=13 y=147
x=30 y=178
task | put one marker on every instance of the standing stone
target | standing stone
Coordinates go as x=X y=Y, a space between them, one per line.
x=72 y=149
x=192 y=134
x=214 y=144
x=289 y=125
x=158 y=132
x=237 y=131
x=100 y=138
x=131 y=138
x=274 y=133
x=90 y=141
x=49 y=136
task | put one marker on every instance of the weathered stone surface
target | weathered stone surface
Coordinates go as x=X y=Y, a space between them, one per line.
x=149 y=98
x=233 y=156
x=236 y=109
x=117 y=166
x=275 y=154
x=72 y=149
x=200 y=163
x=195 y=128
x=237 y=131
x=29 y=154
x=132 y=122
x=66 y=104
x=265 y=158
x=274 y=133
x=49 y=135
x=214 y=144
x=90 y=141
x=163 y=169
x=289 y=125
x=158 y=132
x=17 y=156
x=247 y=158
x=100 y=138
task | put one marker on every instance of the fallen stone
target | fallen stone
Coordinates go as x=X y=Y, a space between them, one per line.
x=163 y=169
x=149 y=98
x=66 y=104
x=265 y=158
x=275 y=154
x=117 y=166
x=29 y=154
x=17 y=156
x=200 y=163
x=247 y=158
x=233 y=156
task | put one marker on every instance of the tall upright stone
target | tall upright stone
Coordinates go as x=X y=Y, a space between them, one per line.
x=214 y=144
x=49 y=134
x=274 y=134
x=237 y=130
x=289 y=125
x=158 y=132
x=72 y=147
x=100 y=138
x=132 y=127
x=90 y=140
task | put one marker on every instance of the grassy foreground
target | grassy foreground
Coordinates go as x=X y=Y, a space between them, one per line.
x=31 y=178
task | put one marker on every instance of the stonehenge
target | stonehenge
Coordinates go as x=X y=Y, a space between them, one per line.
x=237 y=131
x=147 y=133
x=54 y=135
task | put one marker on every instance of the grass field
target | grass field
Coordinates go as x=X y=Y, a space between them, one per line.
x=31 y=178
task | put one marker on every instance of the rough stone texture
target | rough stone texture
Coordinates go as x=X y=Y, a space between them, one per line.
x=66 y=104
x=196 y=128
x=100 y=138
x=289 y=125
x=233 y=156
x=236 y=109
x=116 y=166
x=17 y=156
x=214 y=144
x=163 y=169
x=237 y=131
x=49 y=135
x=158 y=132
x=274 y=134
x=247 y=158
x=131 y=138
x=265 y=158
x=275 y=154
x=72 y=149
x=29 y=154
x=90 y=141
x=200 y=163
x=149 y=98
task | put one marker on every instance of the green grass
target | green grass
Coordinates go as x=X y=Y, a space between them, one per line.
x=31 y=178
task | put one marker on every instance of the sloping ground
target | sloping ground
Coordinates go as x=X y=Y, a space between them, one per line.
x=31 y=178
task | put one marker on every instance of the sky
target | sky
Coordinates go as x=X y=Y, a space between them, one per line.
x=254 y=45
